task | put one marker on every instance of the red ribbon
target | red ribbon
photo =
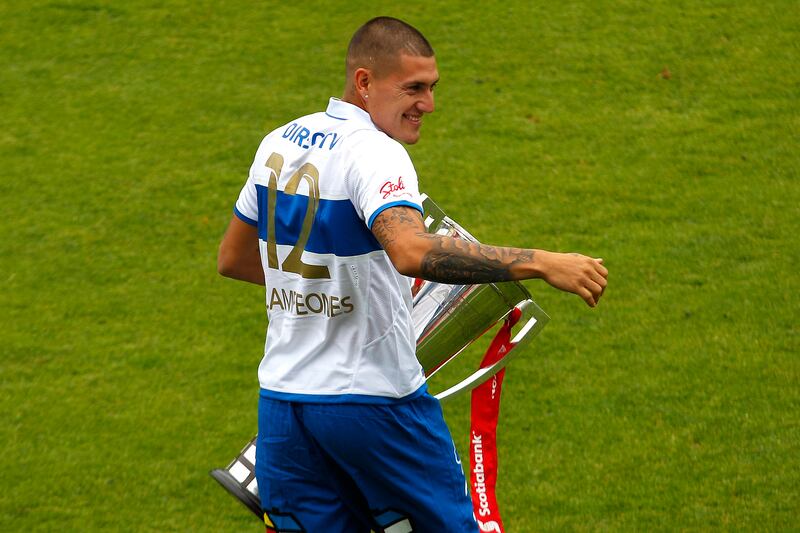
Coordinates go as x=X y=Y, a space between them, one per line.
x=483 y=432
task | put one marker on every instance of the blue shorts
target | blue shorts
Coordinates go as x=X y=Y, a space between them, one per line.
x=349 y=468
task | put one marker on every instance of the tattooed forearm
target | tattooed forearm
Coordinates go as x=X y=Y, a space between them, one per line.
x=401 y=233
x=458 y=261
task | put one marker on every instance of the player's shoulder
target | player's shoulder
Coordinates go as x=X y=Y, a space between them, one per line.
x=374 y=145
x=374 y=155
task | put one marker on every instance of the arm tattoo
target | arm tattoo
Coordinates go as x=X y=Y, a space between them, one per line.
x=386 y=226
x=458 y=261
x=449 y=260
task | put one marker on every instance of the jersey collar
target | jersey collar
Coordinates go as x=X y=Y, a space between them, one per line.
x=342 y=110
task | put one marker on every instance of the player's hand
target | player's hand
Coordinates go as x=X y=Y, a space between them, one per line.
x=575 y=273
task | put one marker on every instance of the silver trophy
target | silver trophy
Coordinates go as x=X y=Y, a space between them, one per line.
x=447 y=319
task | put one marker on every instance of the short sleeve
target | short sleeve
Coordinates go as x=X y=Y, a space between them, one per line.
x=246 y=207
x=382 y=177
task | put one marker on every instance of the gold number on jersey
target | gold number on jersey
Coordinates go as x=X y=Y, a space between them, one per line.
x=293 y=262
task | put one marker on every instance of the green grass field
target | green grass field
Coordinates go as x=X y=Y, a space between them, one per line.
x=662 y=136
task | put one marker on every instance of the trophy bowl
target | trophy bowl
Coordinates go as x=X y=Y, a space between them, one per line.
x=448 y=318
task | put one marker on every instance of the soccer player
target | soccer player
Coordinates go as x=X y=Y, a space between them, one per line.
x=330 y=220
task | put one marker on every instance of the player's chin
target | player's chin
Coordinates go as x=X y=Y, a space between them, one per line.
x=411 y=140
x=410 y=135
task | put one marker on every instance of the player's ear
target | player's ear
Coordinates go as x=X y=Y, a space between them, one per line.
x=361 y=79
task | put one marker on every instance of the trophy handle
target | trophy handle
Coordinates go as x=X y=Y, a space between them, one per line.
x=536 y=319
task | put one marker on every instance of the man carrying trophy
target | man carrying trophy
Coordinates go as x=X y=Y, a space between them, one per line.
x=349 y=439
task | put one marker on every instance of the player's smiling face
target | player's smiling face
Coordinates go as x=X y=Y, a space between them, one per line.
x=398 y=100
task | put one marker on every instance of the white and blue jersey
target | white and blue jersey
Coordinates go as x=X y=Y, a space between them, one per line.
x=348 y=438
x=340 y=326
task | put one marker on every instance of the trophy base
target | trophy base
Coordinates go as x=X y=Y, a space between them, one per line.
x=230 y=484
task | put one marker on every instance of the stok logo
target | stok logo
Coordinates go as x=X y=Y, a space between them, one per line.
x=393 y=189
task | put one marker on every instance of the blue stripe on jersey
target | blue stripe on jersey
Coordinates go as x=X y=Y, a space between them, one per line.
x=337 y=228
x=341 y=398
x=382 y=208
x=243 y=218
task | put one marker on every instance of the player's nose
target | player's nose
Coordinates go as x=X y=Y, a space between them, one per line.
x=426 y=104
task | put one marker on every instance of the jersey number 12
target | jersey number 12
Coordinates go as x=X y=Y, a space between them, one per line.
x=293 y=262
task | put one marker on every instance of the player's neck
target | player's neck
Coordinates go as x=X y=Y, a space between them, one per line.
x=352 y=97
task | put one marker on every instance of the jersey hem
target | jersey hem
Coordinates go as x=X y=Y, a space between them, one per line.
x=342 y=398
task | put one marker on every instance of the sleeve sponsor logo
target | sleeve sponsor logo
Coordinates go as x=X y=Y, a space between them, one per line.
x=393 y=189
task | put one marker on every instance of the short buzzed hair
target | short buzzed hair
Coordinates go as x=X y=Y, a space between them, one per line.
x=379 y=42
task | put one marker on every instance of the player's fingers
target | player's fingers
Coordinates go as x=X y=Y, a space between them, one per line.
x=595 y=288
x=599 y=279
x=587 y=296
x=600 y=268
